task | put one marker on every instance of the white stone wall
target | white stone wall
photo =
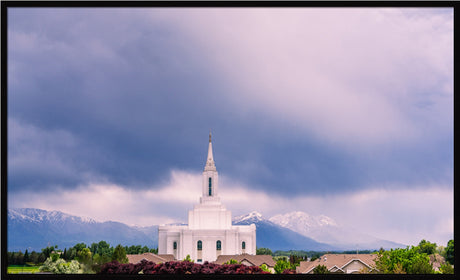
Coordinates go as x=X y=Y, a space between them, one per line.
x=187 y=241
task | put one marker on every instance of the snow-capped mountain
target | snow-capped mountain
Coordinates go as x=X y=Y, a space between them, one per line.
x=38 y=215
x=327 y=230
x=275 y=237
x=301 y=221
x=34 y=229
x=253 y=217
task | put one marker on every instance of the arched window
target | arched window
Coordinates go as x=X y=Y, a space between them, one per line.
x=200 y=245
x=218 y=245
x=175 y=245
x=210 y=186
x=243 y=245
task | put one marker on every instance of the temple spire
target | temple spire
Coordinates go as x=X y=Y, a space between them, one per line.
x=210 y=161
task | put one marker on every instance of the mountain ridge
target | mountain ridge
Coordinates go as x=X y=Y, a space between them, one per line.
x=325 y=229
x=34 y=229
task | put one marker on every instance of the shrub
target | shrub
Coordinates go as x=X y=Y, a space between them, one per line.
x=446 y=269
x=281 y=265
x=178 y=267
x=60 y=266
x=320 y=269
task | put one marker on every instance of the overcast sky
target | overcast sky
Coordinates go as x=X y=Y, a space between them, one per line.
x=341 y=112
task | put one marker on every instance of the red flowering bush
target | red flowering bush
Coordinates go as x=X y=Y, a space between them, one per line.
x=178 y=267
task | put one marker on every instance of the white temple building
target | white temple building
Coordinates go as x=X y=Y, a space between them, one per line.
x=209 y=232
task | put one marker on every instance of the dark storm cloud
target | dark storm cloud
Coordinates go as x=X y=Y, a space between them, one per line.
x=126 y=96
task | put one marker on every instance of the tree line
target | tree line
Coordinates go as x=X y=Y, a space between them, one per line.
x=89 y=258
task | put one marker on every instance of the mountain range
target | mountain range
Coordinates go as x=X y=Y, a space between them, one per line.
x=325 y=229
x=34 y=229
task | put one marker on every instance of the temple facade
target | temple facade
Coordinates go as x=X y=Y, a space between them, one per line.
x=209 y=232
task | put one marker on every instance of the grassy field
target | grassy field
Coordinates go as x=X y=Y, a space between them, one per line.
x=15 y=269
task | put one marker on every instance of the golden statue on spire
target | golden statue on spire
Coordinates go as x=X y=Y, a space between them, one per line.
x=209 y=136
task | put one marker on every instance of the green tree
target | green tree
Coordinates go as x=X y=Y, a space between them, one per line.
x=26 y=256
x=41 y=258
x=84 y=256
x=264 y=251
x=446 y=269
x=449 y=255
x=426 y=247
x=96 y=259
x=144 y=249
x=79 y=246
x=70 y=254
x=408 y=260
x=232 y=261
x=105 y=258
x=47 y=251
x=104 y=248
x=420 y=265
x=281 y=265
x=119 y=254
x=398 y=269
x=54 y=256
x=320 y=269
x=18 y=258
x=93 y=248
x=33 y=257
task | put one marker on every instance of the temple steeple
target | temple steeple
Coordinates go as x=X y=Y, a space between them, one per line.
x=210 y=165
x=210 y=178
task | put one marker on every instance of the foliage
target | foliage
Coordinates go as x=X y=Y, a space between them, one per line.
x=69 y=254
x=188 y=259
x=231 y=261
x=446 y=269
x=101 y=248
x=449 y=252
x=26 y=256
x=421 y=265
x=60 y=266
x=119 y=254
x=175 y=267
x=54 y=256
x=399 y=269
x=320 y=269
x=408 y=260
x=264 y=251
x=134 y=250
x=295 y=260
x=90 y=257
x=79 y=246
x=48 y=250
x=281 y=265
x=426 y=247
x=265 y=268
x=84 y=256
